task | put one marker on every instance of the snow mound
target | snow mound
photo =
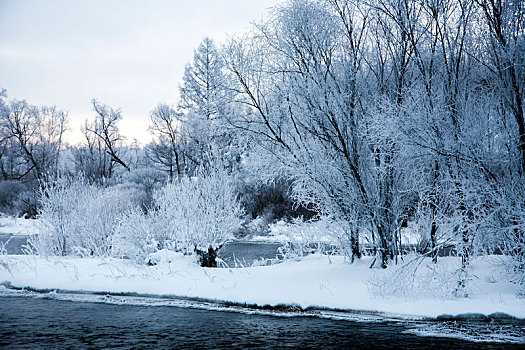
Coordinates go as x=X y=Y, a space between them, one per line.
x=165 y=256
x=18 y=226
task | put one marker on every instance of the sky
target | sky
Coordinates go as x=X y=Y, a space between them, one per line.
x=128 y=54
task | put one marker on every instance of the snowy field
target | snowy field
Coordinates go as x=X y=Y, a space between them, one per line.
x=315 y=281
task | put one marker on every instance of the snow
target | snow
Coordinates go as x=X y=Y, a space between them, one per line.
x=322 y=231
x=18 y=226
x=315 y=281
x=317 y=231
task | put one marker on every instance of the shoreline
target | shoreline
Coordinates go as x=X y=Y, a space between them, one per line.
x=355 y=315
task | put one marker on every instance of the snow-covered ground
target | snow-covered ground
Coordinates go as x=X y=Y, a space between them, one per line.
x=315 y=281
x=18 y=226
x=322 y=231
x=319 y=231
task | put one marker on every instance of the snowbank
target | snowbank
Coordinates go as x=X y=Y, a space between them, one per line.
x=317 y=231
x=316 y=281
x=18 y=226
x=322 y=231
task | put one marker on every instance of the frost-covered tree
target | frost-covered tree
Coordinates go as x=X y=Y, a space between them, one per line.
x=504 y=36
x=202 y=91
x=302 y=88
x=381 y=114
x=205 y=99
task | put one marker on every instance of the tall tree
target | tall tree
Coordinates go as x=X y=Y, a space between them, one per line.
x=505 y=45
x=204 y=101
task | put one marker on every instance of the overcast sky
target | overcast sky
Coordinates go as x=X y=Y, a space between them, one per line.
x=128 y=54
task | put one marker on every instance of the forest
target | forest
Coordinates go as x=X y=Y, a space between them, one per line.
x=369 y=121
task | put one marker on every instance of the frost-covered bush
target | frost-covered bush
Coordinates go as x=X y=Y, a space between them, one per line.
x=321 y=235
x=189 y=214
x=197 y=212
x=59 y=205
x=512 y=234
x=78 y=218
x=146 y=180
x=135 y=236
x=419 y=277
x=5 y=262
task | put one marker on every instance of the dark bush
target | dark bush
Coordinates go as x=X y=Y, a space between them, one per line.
x=273 y=201
x=10 y=191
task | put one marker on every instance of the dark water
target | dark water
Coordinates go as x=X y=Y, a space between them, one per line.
x=27 y=322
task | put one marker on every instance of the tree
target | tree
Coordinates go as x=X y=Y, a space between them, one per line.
x=301 y=86
x=203 y=82
x=204 y=102
x=165 y=151
x=30 y=139
x=503 y=37
x=91 y=159
x=505 y=45
x=105 y=128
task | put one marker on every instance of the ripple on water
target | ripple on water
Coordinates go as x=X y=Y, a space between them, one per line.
x=493 y=331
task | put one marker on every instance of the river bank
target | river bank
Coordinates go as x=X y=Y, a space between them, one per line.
x=315 y=281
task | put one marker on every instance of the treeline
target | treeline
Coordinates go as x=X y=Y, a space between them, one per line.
x=378 y=115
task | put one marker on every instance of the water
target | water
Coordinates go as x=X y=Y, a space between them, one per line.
x=47 y=322
x=245 y=253
x=13 y=243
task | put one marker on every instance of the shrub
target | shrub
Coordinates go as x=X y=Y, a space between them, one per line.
x=78 y=218
x=191 y=214
x=10 y=191
x=196 y=213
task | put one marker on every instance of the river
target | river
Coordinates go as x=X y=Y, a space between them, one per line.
x=48 y=322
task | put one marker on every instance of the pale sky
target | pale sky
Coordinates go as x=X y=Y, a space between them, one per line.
x=128 y=54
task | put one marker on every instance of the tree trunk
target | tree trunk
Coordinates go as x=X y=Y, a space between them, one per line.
x=354 y=241
x=383 y=248
x=433 y=242
x=208 y=258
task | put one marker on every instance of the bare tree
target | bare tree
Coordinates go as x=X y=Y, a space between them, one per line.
x=166 y=129
x=105 y=128
x=505 y=23
x=30 y=139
